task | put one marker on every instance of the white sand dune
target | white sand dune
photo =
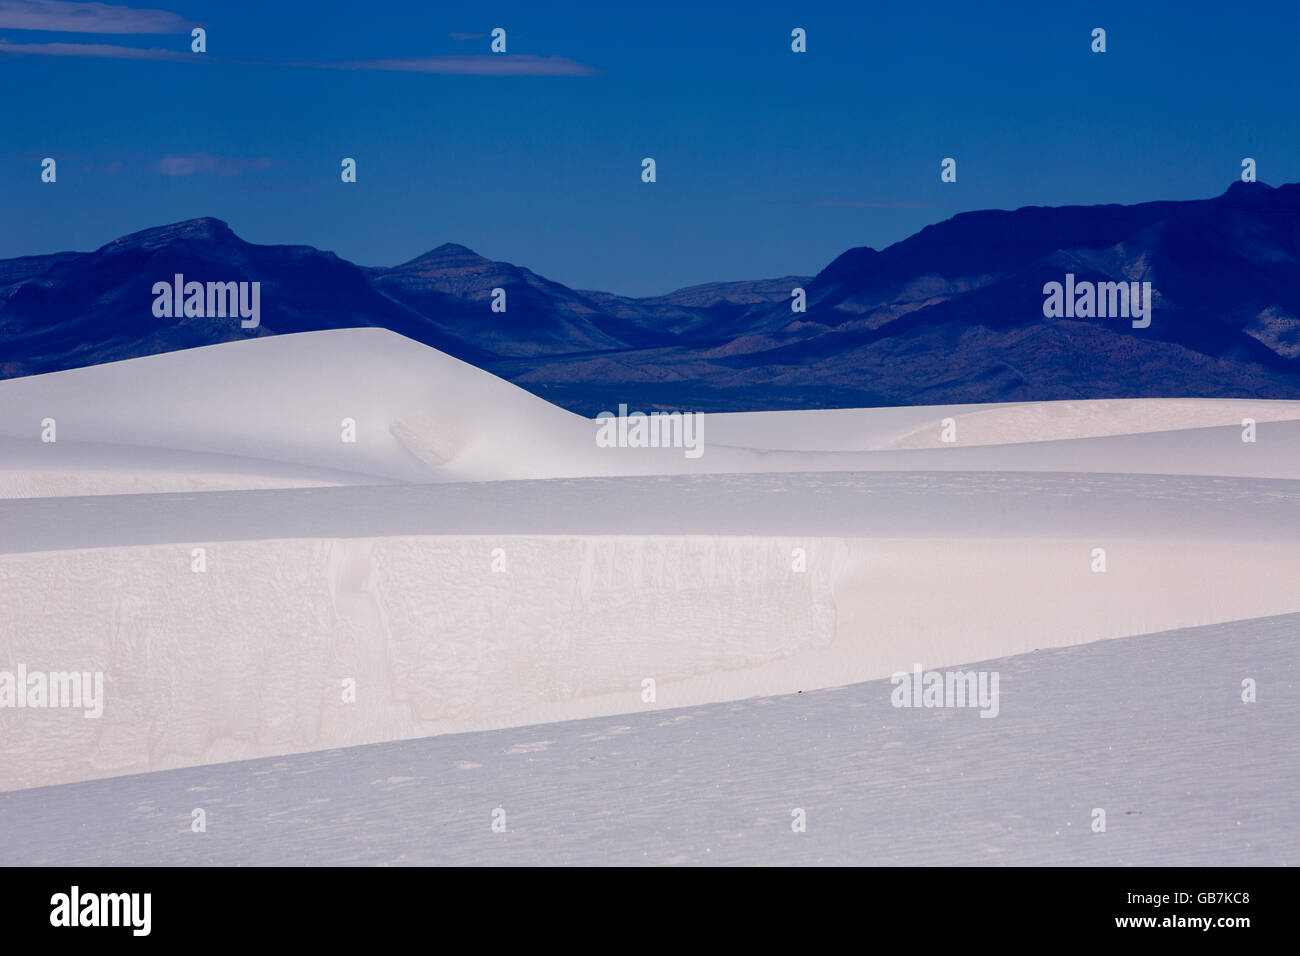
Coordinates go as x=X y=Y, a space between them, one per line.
x=269 y=412
x=1149 y=729
x=889 y=429
x=283 y=399
x=705 y=585
x=249 y=658
x=483 y=564
x=30 y=468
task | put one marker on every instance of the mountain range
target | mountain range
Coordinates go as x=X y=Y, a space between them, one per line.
x=952 y=314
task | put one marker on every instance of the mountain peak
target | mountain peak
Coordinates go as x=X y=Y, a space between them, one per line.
x=449 y=255
x=206 y=228
x=848 y=263
x=1253 y=191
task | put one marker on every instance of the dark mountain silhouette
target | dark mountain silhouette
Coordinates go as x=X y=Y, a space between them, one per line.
x=954 y=314
x=951 y=314
x=69 y=310
x=452 y=287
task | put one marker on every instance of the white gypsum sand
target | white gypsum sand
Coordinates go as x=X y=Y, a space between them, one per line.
x=1151 y=729
x=248 y=659
x=269 y=412
x=474 y=561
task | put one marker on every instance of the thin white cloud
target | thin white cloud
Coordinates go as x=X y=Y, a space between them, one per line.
x=871 y=204
x=463 y=65
x=105 y=50
x=194 y=163
x=62 y=17
x=487 y=64
x=840 y=203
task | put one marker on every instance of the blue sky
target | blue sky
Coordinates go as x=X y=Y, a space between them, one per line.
x=769 y=162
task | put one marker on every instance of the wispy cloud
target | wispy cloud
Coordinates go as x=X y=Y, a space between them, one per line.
x=206 y=163
x=62 y=17
x=105 y=50
x=487 y=64
x=869 y=203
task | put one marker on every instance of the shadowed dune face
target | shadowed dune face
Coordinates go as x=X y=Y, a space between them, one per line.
x=1077 y=727
x=573 y=626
